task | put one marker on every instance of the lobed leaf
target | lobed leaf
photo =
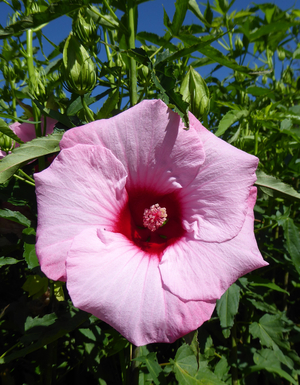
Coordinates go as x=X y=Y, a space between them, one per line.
x=153 y=367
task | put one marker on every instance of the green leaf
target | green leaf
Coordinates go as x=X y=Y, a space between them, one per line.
x=218 y=57
x=195 y=45
x=26 y=152
x=155 y=39
x=192 y=340
x=273 y=27
x=267 y=359
x=35 y=285
x=276 y=186
x=222 y=368
x=193 y=6
x=109 y=105
x=36 y=20
x=15 y=216
x=62 y=118
x=29 y=248
x=269 y=330
x=185 y=361
x=186 y=371
x=227 y=308
x=181 y=7
x=259 y=91
x=258 y=281
x=65 y=324
x=292 y=236
x=153 y=367
x=229 y=118
x=8 y=261
x=271 y=369
x=168 y=95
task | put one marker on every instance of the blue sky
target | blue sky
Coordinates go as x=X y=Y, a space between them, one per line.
x=150 y=20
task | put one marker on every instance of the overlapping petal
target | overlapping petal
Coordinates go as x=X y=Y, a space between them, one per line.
x=216 y=202
x=151 y=143
x=108 y=276
x=67 y=203
x=204 y=270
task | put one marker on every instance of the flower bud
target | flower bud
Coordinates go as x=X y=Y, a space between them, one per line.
x=238 y=43
x=287 y=75
x=281 y=53
x=239 y=76
x=85 y=29
x=264 y=79
x=37 y=85
x=78 y=67
x=6 y=143
x=8 y=72
x=195 y=92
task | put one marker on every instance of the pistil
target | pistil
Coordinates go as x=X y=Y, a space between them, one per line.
x=155 y=217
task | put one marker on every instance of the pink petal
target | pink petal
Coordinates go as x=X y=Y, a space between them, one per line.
x=198 y=270
x=26 y=131
x=2 y=154
x=215 y=203
x=108 y=276
x=151 y=143
x=83 y=187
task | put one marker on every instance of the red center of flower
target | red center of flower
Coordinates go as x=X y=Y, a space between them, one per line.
x=155 y=228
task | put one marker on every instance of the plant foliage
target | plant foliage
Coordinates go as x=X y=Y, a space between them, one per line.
x=253 y=336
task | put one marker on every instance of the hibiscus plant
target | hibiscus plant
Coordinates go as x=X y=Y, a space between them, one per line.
x=149 y=191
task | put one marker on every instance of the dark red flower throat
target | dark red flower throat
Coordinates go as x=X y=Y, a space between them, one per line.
x=130 y=221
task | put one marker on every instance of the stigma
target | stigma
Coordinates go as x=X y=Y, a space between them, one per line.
x=155 y=217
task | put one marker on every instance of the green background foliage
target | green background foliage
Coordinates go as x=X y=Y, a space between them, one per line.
x=253 y=336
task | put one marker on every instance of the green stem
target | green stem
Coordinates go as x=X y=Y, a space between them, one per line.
x=256 y=142
x=10 y=349
x=26 y=176
x=234 y=371
x=13 y=95
x=132 y=72
x=32 y=80
x=24 y=180
x=87 y=110
x=114 y=16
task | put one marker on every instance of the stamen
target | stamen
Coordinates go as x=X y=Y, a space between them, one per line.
x=154 y=217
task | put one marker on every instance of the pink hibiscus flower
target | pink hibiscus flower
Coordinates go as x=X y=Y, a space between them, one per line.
x=147 y=223
x=26 y=131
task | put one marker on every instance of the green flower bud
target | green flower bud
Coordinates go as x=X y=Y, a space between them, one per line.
x=239 y=76
x=78 y=67
x=85 y=29
x=195 y=92
x=281 y=53
x=287 y=75
x=6 y=143
x=238 y=43
x=8 y=72
x=264 y=79
x=37 y=85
